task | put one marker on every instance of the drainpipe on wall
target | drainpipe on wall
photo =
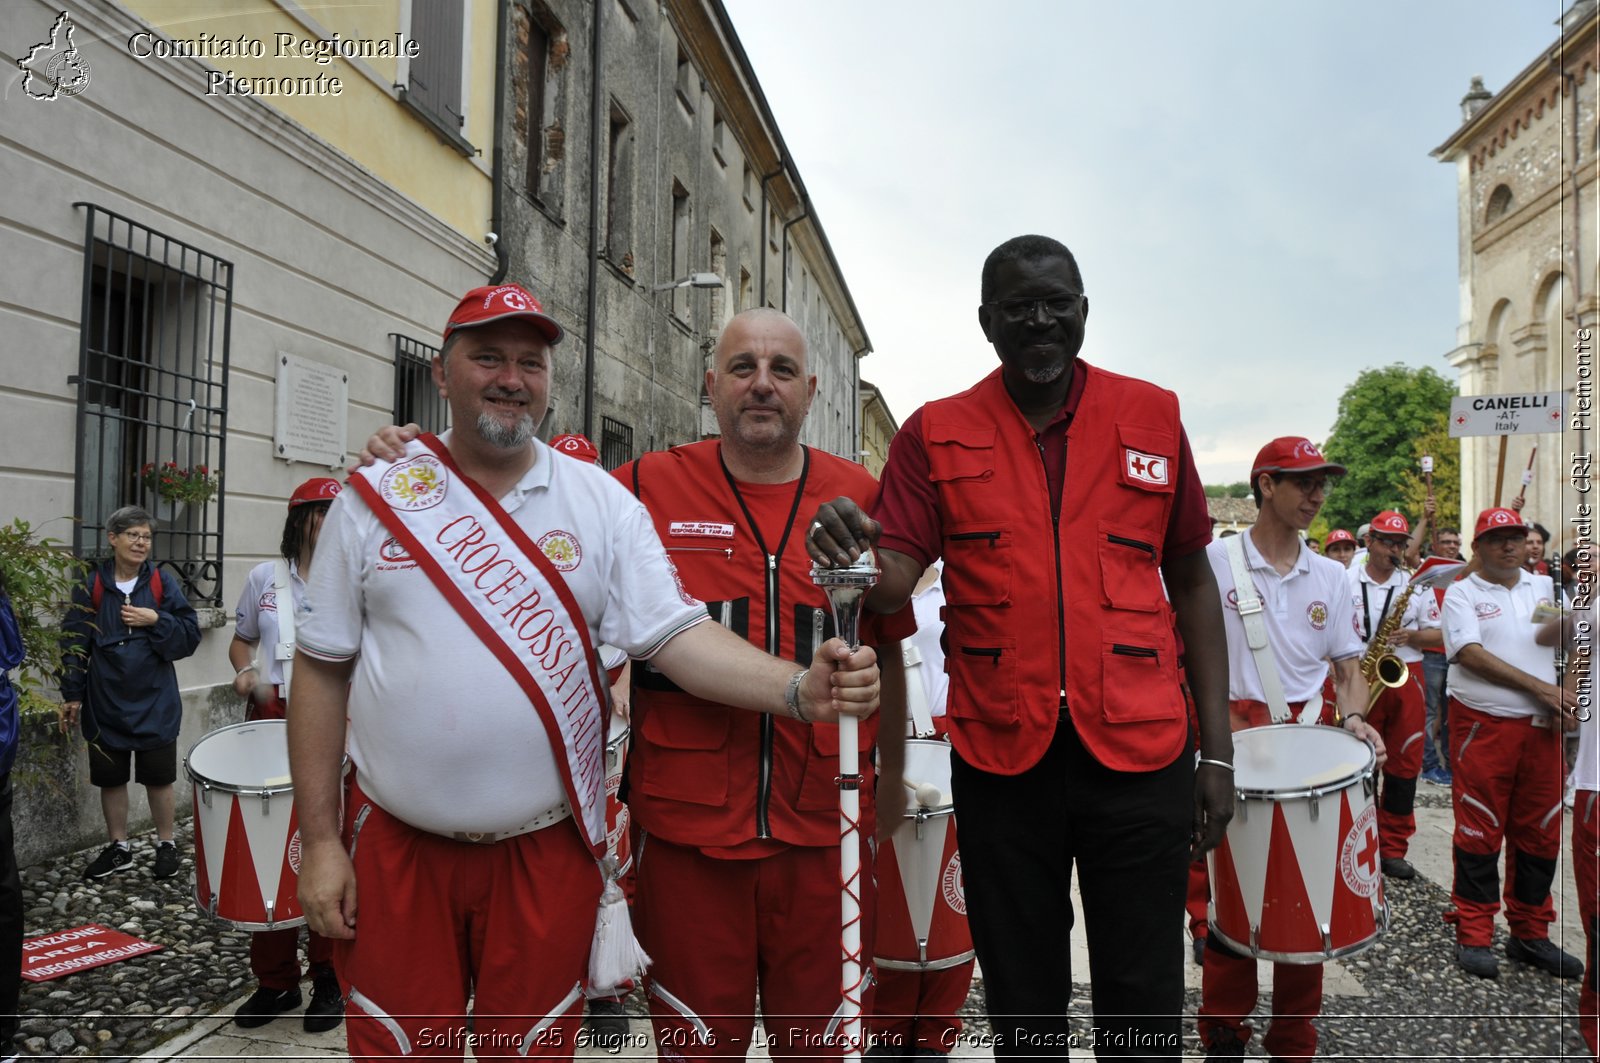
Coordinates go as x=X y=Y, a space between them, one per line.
x=589 y=329
x=502 y=253
x=764 y=212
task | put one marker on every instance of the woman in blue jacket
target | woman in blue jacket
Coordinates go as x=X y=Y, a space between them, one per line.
x=126 y=627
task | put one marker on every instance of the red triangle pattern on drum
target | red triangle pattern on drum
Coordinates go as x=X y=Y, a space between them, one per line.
x=238 y=891
x=1227 y=901
x=1288 y=923
x=1355 y=918
x=202 y=881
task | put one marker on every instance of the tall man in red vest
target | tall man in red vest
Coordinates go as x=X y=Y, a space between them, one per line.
x=1062 y=497
x=452 y=615
x=738 y=816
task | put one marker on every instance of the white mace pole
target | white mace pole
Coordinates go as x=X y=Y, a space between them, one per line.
x=847 y=590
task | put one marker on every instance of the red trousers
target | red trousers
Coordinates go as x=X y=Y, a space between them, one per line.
x=1508 y=781
x=1586 y=870
x=918 y=1009
x=718 y=929
x=508 y=925
x=1399 y=716
x=275 y=956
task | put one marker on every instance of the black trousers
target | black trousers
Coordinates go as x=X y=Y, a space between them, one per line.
x=1128 y=834
x=10 y=922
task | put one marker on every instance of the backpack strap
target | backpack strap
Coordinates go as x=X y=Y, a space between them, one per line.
x=97 y=590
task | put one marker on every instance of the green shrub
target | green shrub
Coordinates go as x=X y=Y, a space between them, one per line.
x=39 y=574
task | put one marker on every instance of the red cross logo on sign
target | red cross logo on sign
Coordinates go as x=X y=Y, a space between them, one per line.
x=1147 y=468
x=1461 y=419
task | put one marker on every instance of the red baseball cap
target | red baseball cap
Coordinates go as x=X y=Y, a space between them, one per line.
x=1498 y=519
x=1389 y=522
x=1292 y=454
x=483 y=305
x=1338 y=535
x=577 y=446
x=316 y=489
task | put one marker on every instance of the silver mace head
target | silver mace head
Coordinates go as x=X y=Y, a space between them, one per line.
x=847 y=589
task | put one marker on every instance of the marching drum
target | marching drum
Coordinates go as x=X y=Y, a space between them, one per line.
x=617 y=843
x=922 y=901
x=1296 y=878
x=246 y=834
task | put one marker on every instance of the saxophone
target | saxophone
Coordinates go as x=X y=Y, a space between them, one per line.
x=1381 y=668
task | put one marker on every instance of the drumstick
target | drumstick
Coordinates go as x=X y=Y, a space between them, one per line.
x=927 y=794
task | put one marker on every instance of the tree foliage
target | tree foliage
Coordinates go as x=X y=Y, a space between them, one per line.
x=1234 y=490
x=1386 y=419
x=39 y=575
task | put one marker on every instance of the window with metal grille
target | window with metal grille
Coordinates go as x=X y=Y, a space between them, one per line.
x=152 y=389
x=416 y=397
x=616 y=442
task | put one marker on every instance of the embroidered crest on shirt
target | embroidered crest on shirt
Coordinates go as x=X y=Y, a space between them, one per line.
x=562 y=548
x=715 y=529
x=416 y=483
x=392 y=556
x=1317 y=613
x=1486 y=610
x=1147 y=468
x=1232 y=600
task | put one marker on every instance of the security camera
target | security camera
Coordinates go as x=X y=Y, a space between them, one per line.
x=491 y=238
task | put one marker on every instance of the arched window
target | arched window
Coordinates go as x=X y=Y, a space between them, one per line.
x=1499 y=203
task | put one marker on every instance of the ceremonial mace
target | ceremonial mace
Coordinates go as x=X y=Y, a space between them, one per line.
x=847 y=592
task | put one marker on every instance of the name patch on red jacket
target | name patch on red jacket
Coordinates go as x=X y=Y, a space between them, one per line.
x=1149 y=468
x=714 y=529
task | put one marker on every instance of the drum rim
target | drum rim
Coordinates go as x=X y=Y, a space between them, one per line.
x=1380 y=927
x=229 y=788
x=1366 y=771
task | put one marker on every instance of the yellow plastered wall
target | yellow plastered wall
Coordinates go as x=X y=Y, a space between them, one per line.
x=366 y=120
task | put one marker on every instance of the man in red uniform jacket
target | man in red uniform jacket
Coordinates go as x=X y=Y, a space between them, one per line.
x=1071 y=583
x=737 y=853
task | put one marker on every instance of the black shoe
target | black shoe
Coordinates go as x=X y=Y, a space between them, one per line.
x=608 y=1022
x=117 y=856
x=265 y=1005
x=1199 y=946
x=1398 y=867
x=166 y=860
x=1225 y=1044
x=1543 y=954
x=326 y=1010
x=1478 y=961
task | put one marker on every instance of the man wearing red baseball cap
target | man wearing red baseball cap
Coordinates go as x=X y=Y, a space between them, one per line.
x=1507 y=715
x=1376 y=589
x=265 y=617
x=459 y=594
x=1340 y=545
x=1301 y=602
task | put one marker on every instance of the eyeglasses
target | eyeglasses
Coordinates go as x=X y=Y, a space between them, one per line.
x=1307 y=483
x=1397 y=542
x=137 y=537
x=1017 y=311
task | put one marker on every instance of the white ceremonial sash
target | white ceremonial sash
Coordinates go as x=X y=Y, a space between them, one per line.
x=512 y=598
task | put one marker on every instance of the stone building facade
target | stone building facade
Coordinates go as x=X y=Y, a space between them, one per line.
x=1526 y=164
x=660 y=162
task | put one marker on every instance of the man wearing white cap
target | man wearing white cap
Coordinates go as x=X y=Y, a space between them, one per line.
x=1376 y=589
x=453 y=613
x=1506 y=720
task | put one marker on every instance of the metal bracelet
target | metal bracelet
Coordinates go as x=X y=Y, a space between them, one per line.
x=791 y=696
x=1215 y=763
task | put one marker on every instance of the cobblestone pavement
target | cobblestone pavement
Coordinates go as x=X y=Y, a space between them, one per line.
x=1403 y=999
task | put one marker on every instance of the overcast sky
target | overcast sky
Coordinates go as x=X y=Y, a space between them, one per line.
x=1246 y=184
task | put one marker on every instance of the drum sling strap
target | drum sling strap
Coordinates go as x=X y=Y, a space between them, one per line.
x=1255 y=630
x=283 y=597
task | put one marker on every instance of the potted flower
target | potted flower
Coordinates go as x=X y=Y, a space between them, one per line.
x=179 y=487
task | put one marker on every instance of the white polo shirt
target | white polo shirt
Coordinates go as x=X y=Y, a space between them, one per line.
x=1367 y=612
x=444 y=738
x=1500 y=619
x=255 y=619
x=1308 y=617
